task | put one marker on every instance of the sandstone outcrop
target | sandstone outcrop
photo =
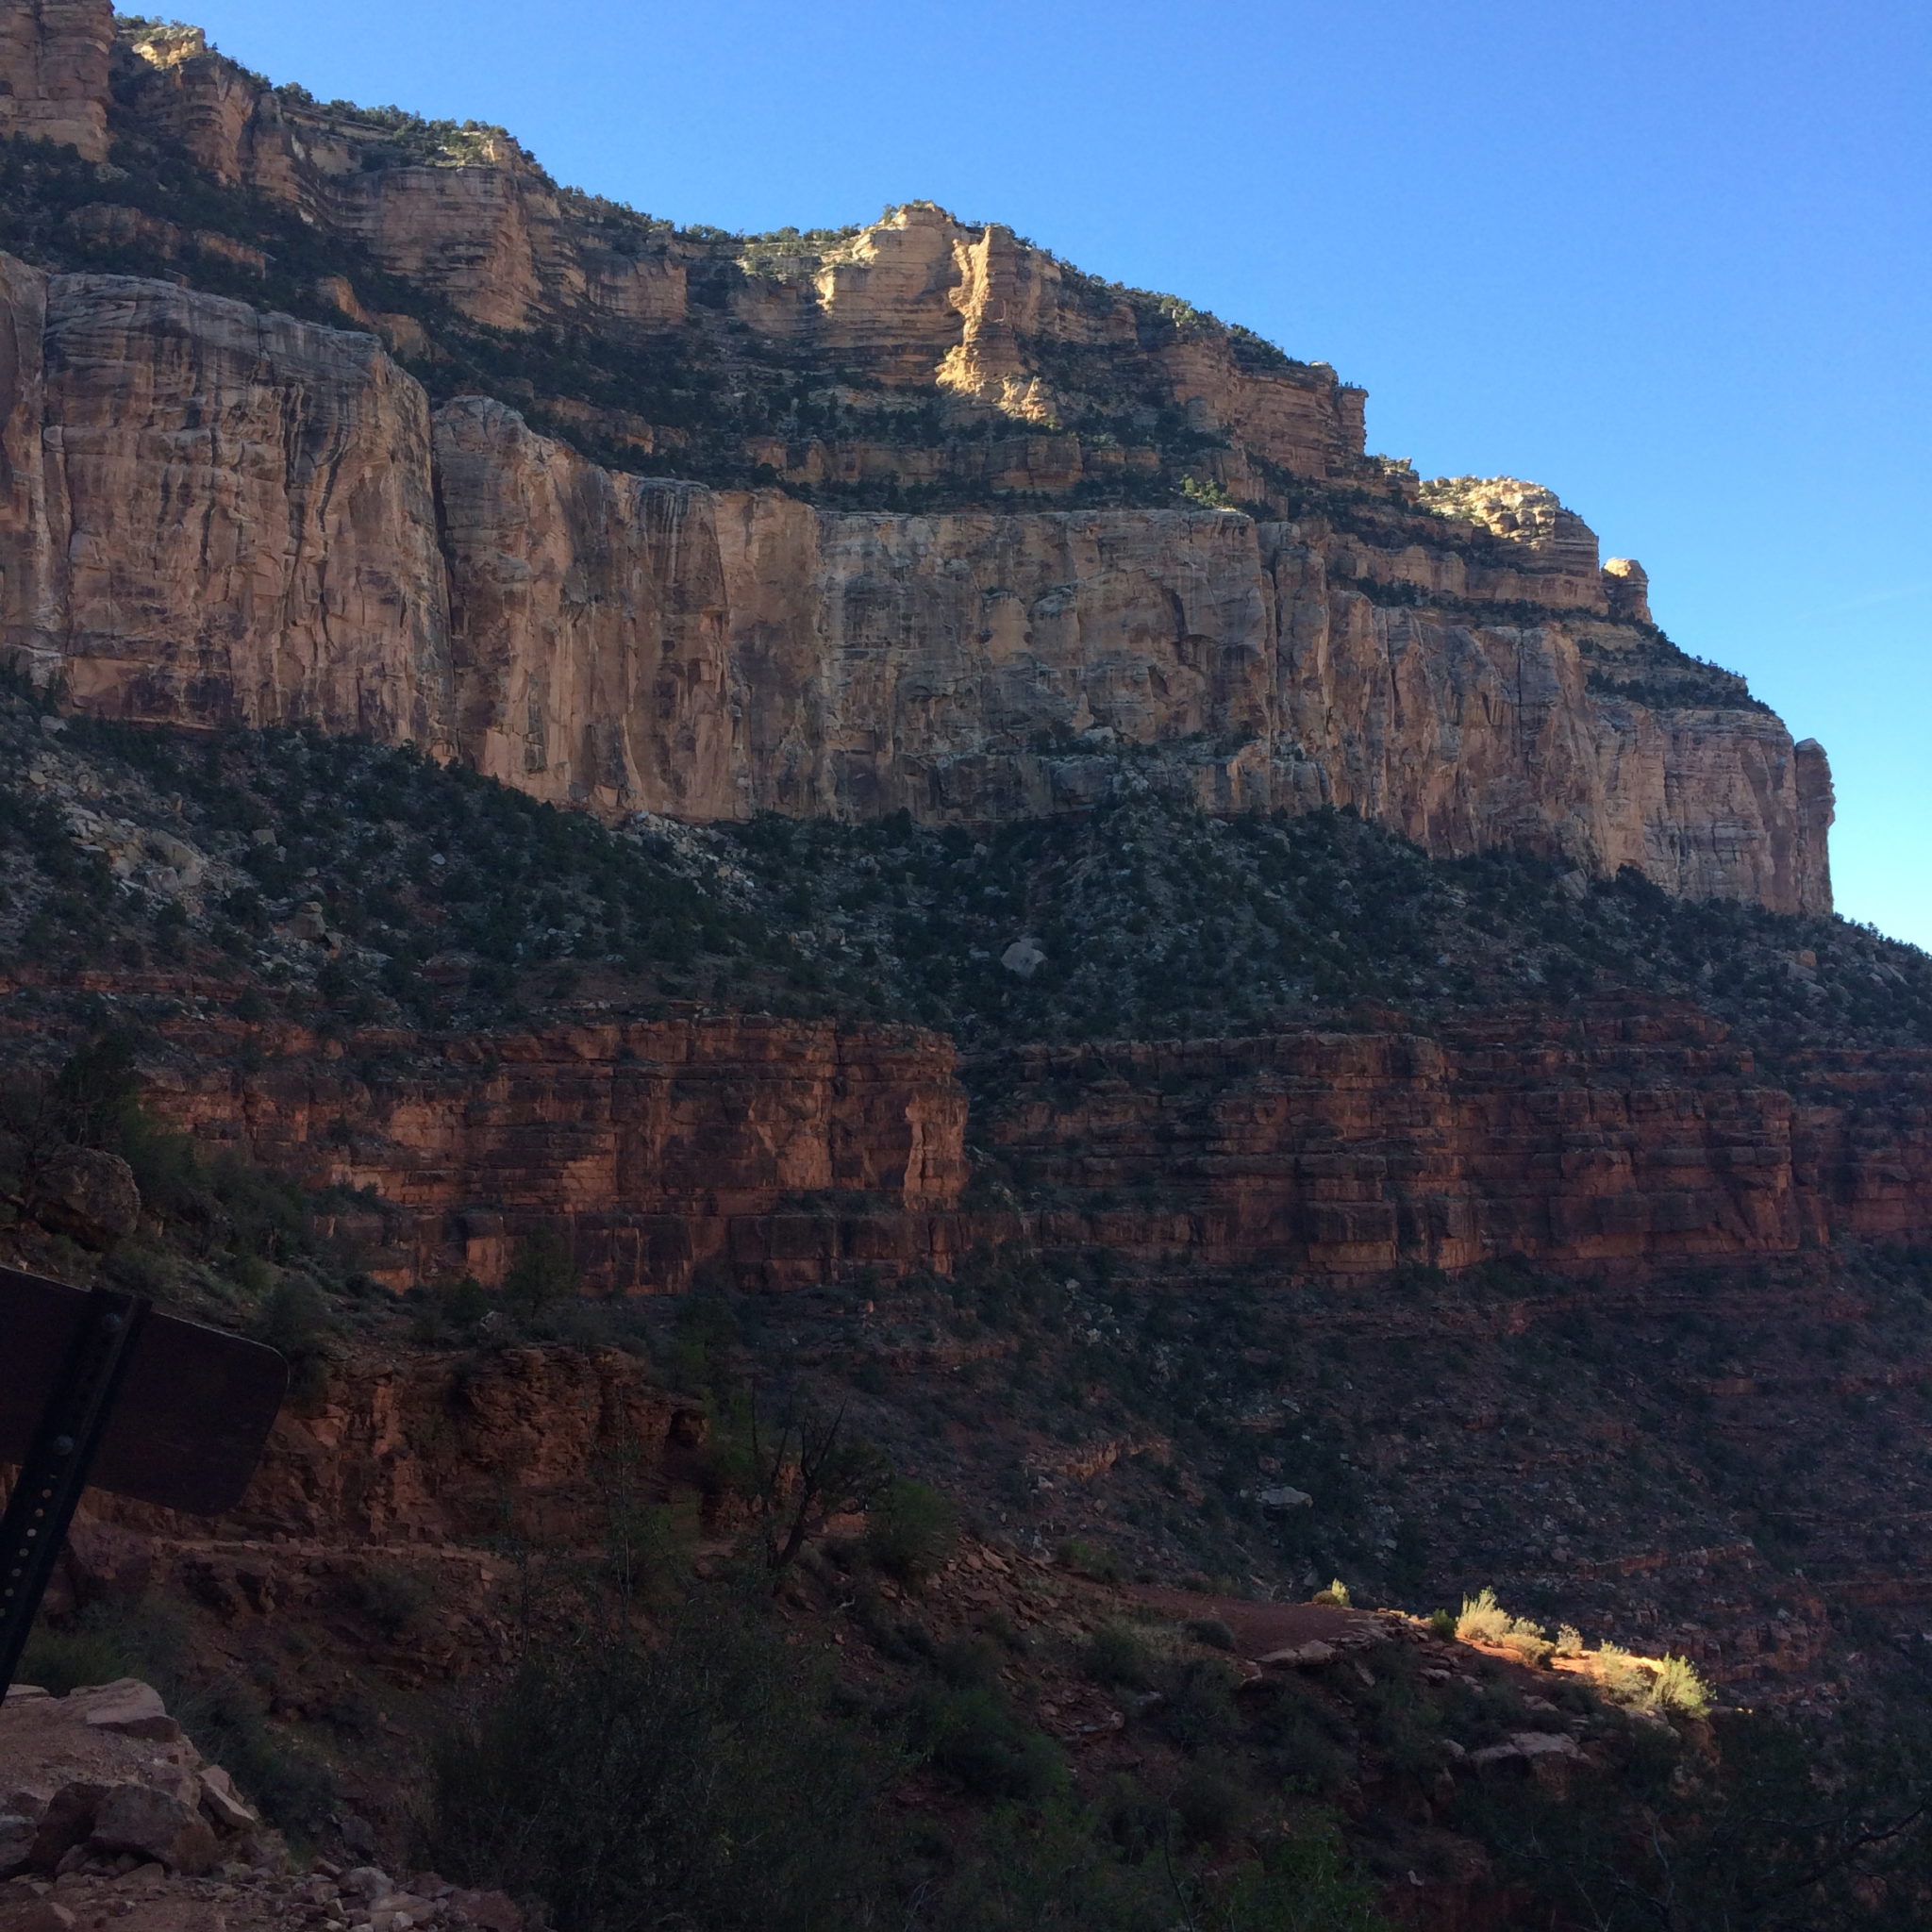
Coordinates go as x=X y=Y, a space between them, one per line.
x=630 y=643
x=103 y=1788
x=53 y=63
x=211 y=513
x=105 y=1772
x=787 y=1152
x=87 y=1194
x=208 y=513
x=1622 y=1138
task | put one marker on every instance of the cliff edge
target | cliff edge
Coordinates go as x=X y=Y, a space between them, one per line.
x=316 y=414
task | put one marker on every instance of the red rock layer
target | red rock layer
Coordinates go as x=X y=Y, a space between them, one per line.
x=789 y=1151
x=1625 y=1137
x=414 y=1461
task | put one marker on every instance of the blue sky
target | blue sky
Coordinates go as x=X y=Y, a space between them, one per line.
x=1671 y=259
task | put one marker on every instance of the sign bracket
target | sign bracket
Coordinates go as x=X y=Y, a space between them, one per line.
x=54 y=1471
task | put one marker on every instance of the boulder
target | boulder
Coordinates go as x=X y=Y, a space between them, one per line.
x=1299 y=1656
x=310 y=922
x=490 y=1912
x=129 y=1708
x=88 y=1194
x=1282 y=1500
x=1546 y=1745
x=17 y=1835
x=37 y=1915
x=154 y=1824
x=400 y=1911
x=223 y=1805
x=1530 y=1749
x=63 y=1822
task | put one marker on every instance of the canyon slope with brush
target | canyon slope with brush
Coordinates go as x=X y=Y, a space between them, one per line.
x=310 y=414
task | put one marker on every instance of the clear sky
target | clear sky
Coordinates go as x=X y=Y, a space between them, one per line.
x=1668 y=256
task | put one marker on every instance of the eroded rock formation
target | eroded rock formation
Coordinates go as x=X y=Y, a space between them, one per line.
x=214 y=515
x=54 y=62
x=1619 y=1137
x=789 y=1152
x=1623 y=1138
x=211 y=513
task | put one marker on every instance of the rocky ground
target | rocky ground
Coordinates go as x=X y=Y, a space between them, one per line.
x=112 y=1818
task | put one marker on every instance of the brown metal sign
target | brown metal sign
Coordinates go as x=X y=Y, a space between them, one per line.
x=191 y=1413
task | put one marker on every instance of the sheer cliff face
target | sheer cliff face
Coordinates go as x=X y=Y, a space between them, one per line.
x=209 y=512
x=1620 y=1137
x=53 y=61
x=657 y=1145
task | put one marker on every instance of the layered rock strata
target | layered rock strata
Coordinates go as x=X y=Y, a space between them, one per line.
x=788 y=1153
x=210 y=515
x=1620 y=1140
x=55 y=59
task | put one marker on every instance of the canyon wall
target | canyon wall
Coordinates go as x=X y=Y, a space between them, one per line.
x=210 y=515
x=54 y=57
x=213 y=514
x=789 y=1152
x=1621 y=1138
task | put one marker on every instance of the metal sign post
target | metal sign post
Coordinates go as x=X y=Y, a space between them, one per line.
x=96 y=1387
x=55 y=1468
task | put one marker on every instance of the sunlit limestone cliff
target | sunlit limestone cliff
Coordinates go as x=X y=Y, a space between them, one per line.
x=319 y=414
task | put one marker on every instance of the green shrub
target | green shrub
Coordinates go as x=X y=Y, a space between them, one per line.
x=1678 y=1687
x=1485 y=1621
x=1528 y=1640
x=296 y=1320
x=974 y=1737
x=696 y=1782
x=1135 y=1821
x=394 y=1598
x=88 y=1652
x=912 y=1532
x=1056 y=1865
x=969 y=1662
x=1118 y=1657
x=1211 y=1631
x=1197 y=1709
x=1303 y=1882
x=1087 y=1559
x=1304 y=1743
x=541 y=1274
x=1619 y=1675
x=462 y=1300
x=1401 y=1727
x=1209 y=1806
